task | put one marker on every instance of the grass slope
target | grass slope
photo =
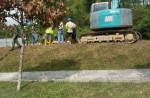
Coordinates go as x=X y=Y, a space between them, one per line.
x=98 y=56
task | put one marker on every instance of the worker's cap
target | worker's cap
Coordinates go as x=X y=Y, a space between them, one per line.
x=69 y=19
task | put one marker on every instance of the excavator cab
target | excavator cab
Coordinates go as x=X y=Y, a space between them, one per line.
x=103 y=17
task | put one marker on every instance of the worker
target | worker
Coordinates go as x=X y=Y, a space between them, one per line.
x=60 y=33
x=34 y=36
x=48 y=36
x=74 y=36
x=69 y=26
x=15 y=33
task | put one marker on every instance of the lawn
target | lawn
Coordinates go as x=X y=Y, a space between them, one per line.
x=75 y=90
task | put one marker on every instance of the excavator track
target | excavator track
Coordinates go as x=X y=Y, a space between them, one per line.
x=126 y=36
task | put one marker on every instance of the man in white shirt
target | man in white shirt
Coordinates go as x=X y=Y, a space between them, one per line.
x=69 y=26
x=60 y=33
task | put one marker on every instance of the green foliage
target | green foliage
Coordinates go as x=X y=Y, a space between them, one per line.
x=5 y=34
x=78 y=12
x=88 y=4
x=130 y=3
x=142 y=21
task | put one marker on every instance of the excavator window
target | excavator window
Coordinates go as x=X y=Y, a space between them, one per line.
x=99 y=6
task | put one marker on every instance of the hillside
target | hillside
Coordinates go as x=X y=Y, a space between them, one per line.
x=78 y=57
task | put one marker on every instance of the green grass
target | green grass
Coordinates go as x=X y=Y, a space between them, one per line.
x=98 y=56
x=75 y=90
x=77 y=57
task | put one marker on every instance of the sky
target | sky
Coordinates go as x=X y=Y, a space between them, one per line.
x=10 y=21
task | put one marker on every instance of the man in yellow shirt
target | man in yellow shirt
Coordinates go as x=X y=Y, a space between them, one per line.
x=48 y=37
x=69 y=26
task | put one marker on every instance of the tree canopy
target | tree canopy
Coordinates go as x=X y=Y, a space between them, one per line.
x=45 y=12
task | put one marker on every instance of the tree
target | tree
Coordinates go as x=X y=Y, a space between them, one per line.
x=143 y=25
x=88 y=4
x=44 y=12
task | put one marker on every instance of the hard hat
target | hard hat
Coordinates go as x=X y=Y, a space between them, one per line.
x=69 y=19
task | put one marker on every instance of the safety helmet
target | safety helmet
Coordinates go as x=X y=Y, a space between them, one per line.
x=69 y=19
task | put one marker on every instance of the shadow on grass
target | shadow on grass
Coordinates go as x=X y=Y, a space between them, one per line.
x=25 y=84
x=56 y=64
x=145 y=66
x=1 y=58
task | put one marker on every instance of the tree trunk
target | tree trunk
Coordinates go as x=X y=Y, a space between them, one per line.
x=20 y=68
x=21 y=53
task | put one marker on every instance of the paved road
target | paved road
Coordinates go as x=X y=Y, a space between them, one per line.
x=131 y=75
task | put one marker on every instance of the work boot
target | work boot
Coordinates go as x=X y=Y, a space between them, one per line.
x=19 y=46
x=45 y=42
x=11 y=49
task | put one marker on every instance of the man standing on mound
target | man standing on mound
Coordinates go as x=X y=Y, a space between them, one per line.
x=70 y=26
x=15 y=33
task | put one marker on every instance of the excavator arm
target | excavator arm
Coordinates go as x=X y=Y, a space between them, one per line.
x=115 y=4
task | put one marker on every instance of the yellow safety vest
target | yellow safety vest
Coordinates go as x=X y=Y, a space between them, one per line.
x=49 y=31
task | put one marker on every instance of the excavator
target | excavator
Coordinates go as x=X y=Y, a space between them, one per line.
x=110 y=23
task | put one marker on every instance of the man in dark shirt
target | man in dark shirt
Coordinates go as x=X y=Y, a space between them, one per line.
x=15 y=34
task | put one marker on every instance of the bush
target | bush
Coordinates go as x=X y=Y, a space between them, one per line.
x=143 y=26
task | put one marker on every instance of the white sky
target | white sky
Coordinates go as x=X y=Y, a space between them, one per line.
x=10 y=21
